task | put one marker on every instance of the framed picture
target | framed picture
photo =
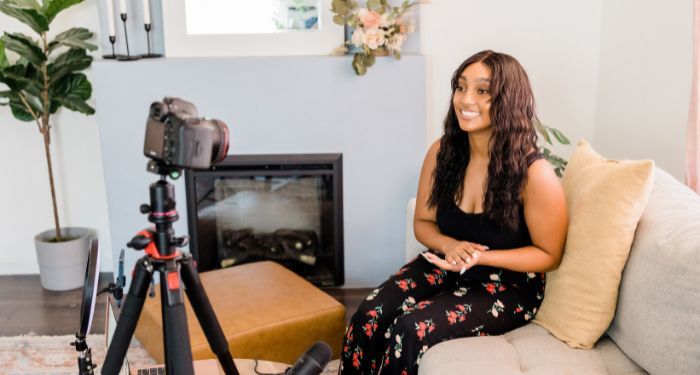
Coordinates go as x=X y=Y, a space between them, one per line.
x=210 y=28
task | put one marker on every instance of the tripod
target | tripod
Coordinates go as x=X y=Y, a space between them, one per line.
x=172 y=265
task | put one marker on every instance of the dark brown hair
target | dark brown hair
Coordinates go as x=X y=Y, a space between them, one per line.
x=513 y=138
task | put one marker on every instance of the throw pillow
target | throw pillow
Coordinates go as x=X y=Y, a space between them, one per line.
x=605 y=199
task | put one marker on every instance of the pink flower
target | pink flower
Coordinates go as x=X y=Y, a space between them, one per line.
x=373 y=38
x=369 y=18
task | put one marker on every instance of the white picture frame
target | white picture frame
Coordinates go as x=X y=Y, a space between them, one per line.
x=178 y=43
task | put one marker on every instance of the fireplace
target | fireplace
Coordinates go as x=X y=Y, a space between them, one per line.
x=285 y=208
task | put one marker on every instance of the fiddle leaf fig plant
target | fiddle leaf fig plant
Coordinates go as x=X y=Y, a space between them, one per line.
x=44 y=75
x=557 y=161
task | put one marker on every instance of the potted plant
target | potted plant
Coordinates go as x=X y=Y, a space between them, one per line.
x=44 y=77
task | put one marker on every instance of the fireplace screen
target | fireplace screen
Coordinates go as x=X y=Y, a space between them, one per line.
x=285 y=208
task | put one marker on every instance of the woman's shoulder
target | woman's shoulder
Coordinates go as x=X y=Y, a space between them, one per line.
x=541 y=178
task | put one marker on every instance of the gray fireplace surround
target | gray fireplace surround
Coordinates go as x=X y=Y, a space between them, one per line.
x=285 y=105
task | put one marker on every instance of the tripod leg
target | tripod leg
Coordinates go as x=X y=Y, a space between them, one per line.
x=176 y=338
x=206 y=316
x=128 y=317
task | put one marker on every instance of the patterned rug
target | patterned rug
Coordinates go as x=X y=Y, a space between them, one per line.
x=35 y=355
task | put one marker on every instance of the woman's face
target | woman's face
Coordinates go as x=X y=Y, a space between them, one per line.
x=472 y=98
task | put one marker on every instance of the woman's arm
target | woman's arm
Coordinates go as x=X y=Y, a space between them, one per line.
x=424 y=222
x=547 y=222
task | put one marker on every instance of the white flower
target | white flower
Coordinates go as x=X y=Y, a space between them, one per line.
x=373 y=38
x=398 y=338
x=395 y=42
x=494 y=312
x=357 y=37
x=494 y=277
x=499 y=303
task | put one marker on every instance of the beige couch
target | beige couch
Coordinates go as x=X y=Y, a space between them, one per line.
x=656 y=328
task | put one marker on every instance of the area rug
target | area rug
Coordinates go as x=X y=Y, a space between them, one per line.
x=35 y=355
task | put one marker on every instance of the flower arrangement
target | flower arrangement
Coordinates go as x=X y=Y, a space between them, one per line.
x=379 y=29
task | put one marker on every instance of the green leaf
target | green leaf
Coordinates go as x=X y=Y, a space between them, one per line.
x=74 y=86
x=53 y=7
x=542 y=130
x=73 y=38
x=73 y=60
x=370 y=60
x=25 y=47
x=18 y=109
x=26 y=4
x=338 y=20
x=16 y=77
x=76 y=105
x=30 y=17
x=3 y=56
x=343 y=7
x=560 y=136
x=397 y=55
x=358 y=64
x=5 y=95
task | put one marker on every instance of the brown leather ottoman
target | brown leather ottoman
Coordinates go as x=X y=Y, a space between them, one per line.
x=266 y=312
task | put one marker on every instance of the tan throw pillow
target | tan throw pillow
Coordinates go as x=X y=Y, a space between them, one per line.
x=605 y=199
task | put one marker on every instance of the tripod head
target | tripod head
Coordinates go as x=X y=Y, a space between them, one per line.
x=160 y=243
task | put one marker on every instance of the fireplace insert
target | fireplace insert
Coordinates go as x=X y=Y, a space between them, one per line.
x=287 y=208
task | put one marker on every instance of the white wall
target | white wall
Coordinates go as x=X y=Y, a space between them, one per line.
x=25 y=199
x=557 y=42
x=644 y=81
x=616 y=72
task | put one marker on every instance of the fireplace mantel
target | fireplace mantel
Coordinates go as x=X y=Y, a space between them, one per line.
x=313 y=104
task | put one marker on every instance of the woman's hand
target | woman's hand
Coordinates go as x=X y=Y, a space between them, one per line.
x=472 y=261
x=461 y=252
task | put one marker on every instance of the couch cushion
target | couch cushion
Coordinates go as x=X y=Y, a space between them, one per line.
x=527 y=350
x=605 y=199
x=657 y=321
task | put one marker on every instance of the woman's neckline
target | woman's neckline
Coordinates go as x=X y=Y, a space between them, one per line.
x=467 y=213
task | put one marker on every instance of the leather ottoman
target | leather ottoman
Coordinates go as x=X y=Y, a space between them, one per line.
x=266 y=312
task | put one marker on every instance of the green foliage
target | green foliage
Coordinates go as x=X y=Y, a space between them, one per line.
x=557 y=162
x=44 y=78
x=46 y=74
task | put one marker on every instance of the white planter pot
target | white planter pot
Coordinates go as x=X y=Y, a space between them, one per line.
x=62 y=264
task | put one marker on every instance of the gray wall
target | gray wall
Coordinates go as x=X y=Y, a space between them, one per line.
x=279 y=105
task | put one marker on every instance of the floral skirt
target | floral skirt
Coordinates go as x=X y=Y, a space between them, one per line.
x=421 y=305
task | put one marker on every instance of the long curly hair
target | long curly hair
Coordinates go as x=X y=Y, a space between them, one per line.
x=513 y=138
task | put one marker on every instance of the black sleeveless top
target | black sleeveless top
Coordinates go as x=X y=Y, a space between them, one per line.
x=479 y=229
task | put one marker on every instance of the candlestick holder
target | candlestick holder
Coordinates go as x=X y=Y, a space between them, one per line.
x=128 y=56
x=149 y=55
x=112 y=39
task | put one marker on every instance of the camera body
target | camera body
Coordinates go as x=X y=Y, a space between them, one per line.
x=177 y=137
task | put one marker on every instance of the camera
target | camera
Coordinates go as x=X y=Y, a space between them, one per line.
x=176 y=137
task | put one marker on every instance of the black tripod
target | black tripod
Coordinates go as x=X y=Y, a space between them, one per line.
x=172 y=265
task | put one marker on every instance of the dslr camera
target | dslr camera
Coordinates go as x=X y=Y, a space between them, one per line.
x=176 y=137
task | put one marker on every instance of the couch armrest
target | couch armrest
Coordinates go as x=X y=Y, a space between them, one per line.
x=413 y=247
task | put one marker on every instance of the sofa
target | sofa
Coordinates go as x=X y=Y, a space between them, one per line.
x=656 y=326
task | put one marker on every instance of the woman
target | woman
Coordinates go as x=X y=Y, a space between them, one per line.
x=493 y=214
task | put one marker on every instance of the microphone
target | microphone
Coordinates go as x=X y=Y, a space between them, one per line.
x=313 y=361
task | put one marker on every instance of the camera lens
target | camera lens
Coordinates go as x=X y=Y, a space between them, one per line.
x=220 y=145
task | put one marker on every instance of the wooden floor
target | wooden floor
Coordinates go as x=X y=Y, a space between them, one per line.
x=25 y=307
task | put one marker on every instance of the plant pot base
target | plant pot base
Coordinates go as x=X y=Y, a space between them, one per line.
x=62 y=264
